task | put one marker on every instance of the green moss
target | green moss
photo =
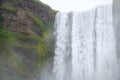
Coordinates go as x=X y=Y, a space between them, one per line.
x=39 y=22
x=40 y=48
x=5 y=35
x=36 y=1
x=7 y=55
x=9 y=6
x=12 y=39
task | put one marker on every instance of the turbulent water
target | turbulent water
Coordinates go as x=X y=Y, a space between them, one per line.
x=85 y=46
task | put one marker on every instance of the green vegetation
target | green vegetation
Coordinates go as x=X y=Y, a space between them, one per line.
x=10 y=40
x=5 y=35
x=41 y=47
x=36 y=1
x=7 y=40
x=9 y=6
x=23 y=49
x=39 y=22
x=14 y=39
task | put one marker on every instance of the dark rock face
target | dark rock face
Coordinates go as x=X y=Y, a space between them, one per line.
x=25 y=38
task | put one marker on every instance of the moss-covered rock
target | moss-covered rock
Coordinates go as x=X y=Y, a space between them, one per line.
x=25 y=30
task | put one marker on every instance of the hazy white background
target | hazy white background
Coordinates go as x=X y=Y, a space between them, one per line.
x=74 y=5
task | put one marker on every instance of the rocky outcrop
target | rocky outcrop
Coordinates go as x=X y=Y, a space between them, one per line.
x=25 y=38
x=21 y=13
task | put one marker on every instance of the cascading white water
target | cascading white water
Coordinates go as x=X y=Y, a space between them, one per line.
x=85 y=45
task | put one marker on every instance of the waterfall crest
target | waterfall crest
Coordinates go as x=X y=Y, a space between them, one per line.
x=85 y=45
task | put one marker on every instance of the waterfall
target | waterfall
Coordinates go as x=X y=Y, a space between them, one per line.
x=85 y=45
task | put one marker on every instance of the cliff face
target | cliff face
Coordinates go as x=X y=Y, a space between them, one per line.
x=25 y=37
x=26 y=13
